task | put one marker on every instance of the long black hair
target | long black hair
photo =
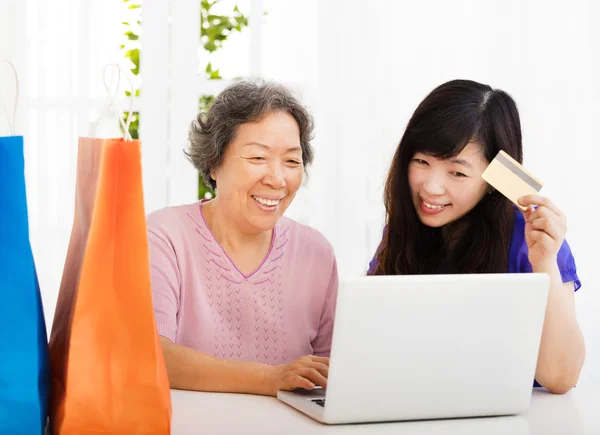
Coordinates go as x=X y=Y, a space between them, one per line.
x=451 y=116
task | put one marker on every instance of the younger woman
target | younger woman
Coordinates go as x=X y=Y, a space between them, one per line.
x=442 y=217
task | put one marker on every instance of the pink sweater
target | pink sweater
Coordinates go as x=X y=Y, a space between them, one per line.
x=280 y=312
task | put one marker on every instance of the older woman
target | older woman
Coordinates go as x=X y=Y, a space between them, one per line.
x=244 y=297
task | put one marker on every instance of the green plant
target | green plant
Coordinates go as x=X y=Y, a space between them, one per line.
x=214 y=31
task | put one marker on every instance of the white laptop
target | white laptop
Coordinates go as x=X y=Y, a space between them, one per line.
x=430 y=347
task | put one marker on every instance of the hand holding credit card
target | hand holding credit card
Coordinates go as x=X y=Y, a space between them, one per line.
x=507 y=176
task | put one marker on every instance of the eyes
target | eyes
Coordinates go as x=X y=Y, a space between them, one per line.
x=261 y=159
x=423 y=163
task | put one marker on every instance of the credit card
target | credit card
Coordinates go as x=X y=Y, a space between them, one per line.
x=508 y=177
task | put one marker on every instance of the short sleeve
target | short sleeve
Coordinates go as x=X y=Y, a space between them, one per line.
x=519 y=255
x=165 y=280
x=322 y=342
x=566 y=265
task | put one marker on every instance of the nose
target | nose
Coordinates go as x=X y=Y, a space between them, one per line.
x=434 y=185
x=275 y=177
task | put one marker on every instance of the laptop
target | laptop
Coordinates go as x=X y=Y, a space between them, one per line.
x=422 y=347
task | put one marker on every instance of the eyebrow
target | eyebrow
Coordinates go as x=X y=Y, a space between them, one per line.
x=295 y=148
x=462 y=162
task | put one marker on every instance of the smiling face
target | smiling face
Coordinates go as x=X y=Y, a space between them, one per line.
x=261 y=171
x=443 y=191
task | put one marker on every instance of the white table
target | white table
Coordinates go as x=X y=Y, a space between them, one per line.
x=577 y=412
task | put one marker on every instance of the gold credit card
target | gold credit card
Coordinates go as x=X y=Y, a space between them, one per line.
x=507 y=176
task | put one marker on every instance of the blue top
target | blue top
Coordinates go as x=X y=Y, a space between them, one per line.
x=518 y=261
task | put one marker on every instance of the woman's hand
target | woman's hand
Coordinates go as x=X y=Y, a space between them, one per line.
x=306 y=372
x=545 y=229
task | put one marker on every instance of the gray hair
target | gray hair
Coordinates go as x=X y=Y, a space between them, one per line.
x=240 y=103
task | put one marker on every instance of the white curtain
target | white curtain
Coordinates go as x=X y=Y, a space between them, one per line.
x=59 y=48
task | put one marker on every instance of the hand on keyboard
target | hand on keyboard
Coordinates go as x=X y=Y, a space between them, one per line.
x=306 y=372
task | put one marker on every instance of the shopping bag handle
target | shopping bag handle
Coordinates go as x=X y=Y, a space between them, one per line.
x=112 y=88
x=11 y=123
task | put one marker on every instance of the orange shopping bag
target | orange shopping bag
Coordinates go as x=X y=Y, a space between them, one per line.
x=116 y=381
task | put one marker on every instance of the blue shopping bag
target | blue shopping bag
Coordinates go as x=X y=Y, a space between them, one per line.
x=24 y=368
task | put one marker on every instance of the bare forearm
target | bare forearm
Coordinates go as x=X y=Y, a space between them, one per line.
x=189 y=369
x=562 y=349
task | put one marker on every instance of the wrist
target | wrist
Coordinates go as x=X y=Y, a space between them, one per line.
x=549 y=266
x=263 y=380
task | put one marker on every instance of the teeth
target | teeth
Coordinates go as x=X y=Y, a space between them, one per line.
x=268 y=202
x=433 y=207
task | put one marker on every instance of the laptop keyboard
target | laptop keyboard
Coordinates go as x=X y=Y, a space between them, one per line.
x=320 y=402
